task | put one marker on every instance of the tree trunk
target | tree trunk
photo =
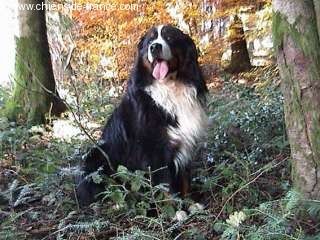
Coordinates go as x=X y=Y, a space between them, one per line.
x=296 y=39
x=35 y=91
x=240 y=60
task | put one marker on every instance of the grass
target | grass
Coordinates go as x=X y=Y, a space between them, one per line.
x=242 y=175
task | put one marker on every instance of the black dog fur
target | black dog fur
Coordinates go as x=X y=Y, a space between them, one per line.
x=136 y=135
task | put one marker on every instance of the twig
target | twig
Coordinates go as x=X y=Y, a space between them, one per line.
x=70 y=109
x=154 y=201
x=244 y=186
x=75 y=194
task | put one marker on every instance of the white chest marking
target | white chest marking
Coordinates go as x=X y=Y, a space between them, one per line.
x=181 y=101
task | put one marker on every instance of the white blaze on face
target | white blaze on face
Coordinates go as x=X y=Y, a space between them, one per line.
x=166 y=52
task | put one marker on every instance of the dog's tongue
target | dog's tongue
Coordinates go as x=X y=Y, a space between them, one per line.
x=160 y=70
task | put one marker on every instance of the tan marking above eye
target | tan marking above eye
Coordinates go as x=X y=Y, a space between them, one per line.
x=152 y=34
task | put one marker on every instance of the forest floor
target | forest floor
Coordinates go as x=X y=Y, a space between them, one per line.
x=242 y=176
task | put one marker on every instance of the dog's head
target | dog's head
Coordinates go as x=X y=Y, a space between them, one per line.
x=167 y=54
x=165 y=49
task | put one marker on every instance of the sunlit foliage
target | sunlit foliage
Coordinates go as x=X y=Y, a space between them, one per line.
x=108 y=30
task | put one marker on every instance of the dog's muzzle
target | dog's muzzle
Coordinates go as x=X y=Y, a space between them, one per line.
x=156 y=50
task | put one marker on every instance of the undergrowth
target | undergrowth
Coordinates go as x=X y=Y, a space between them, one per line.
x=242 y=177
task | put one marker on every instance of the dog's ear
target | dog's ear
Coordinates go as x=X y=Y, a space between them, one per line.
x=140 y=44
x=190 y=67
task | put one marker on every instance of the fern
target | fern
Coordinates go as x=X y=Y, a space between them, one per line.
x=313 y=208
x=81 y=227
x=138 y=234
x=293 y=199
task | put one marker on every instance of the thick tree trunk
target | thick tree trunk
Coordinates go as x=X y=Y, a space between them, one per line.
x=317 y=10
x=240 y=60
x=35 y=90
x=296 y=39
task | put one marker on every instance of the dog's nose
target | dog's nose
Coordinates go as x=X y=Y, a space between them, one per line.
x=156 y=49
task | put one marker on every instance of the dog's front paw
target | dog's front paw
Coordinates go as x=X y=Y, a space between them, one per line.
x=196 y=208
x=180 y=216
x=193 y=209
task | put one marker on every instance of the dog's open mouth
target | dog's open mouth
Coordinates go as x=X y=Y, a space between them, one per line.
x=160 y=69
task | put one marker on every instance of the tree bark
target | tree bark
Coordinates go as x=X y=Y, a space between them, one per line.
x=35 y=91
x=296 y=39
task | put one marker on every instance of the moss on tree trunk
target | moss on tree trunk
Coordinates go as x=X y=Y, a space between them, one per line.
x=317 y=11
x=35 y=90
x=298 y=55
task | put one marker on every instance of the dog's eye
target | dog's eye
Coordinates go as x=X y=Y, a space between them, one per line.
x=168 y=38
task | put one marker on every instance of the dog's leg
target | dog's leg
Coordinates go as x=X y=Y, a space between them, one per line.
x=87 y=191
x=181 y=182
x=184 y=184
x=86 y=188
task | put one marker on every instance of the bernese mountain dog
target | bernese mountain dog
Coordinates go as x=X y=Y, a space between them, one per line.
x=160 y=119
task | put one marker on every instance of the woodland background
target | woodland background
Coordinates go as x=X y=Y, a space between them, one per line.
x=252 y=177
